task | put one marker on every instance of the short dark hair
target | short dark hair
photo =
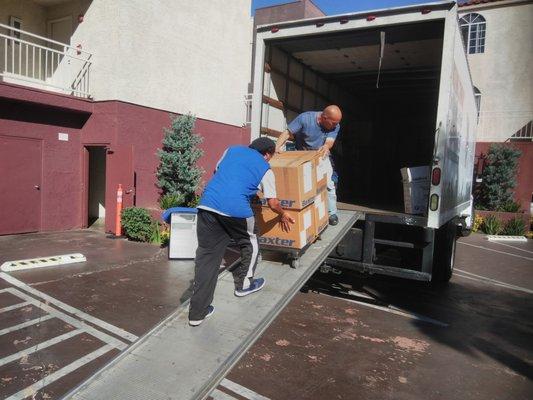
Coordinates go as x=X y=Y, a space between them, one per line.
x=263 y=145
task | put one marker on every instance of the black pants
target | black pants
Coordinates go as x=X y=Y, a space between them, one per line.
x=214 y=234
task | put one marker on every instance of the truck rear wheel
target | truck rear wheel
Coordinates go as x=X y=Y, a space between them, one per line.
x=444 y=254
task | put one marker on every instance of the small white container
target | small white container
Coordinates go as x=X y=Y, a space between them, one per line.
x=183 y=239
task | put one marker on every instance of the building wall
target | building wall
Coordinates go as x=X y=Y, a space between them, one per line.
x=503 y=72
x=177 y=55
x=32 y=113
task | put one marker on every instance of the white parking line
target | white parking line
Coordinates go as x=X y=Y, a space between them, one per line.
x=220 y=395
x=104 y=337
x=394 y=310
x=241 y=390
x=32 y=389
x=25 y=324
x=514 y=247
x=74 y=311
x=39 y=346
x=482 y=279
x=497 y=251
x=15 y=306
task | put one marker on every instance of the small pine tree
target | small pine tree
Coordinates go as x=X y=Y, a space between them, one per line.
x=498 y=178
x=178 y=173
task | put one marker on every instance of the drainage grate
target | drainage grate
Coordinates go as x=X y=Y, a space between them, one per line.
x=506 y=238
x=40 y=262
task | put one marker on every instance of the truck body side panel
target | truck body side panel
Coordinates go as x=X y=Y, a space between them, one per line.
x=455 y=137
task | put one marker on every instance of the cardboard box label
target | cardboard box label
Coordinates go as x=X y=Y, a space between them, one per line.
x=321 y=170
x=308 y=176
x=307 y=219
x=303 y=239
x=321 y=207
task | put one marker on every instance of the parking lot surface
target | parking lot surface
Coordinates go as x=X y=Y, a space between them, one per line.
x=346 y=336
x=360 y=337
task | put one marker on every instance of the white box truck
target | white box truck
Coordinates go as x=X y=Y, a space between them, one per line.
x=402 y=80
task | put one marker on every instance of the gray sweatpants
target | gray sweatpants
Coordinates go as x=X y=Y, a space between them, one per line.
x=214 y=234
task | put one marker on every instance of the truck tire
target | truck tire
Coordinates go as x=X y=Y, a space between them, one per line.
x=444 y=253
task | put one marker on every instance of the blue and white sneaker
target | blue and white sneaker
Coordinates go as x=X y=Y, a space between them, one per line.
x=256 y=286
x=210 y=310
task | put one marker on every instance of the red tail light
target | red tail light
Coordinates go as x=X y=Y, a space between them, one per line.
x=274 y=29
x=370 y=17
x=435 y=176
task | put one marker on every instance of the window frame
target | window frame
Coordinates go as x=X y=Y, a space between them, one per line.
x=474 y=31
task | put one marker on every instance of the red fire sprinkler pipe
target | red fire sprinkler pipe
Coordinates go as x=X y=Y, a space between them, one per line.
x=118 y=225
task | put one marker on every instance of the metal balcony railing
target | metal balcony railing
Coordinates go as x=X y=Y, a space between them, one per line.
x=37 y=61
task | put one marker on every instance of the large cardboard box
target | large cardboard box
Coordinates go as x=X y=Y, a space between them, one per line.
x=320 y=206
x=416 y=185
x=302 y=232
x=295 y=173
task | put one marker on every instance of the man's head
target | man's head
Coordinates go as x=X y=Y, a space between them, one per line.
x=330 y=117
x=265 y=146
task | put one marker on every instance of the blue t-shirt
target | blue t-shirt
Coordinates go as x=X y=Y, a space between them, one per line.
x=308 y=134
x=235 y=182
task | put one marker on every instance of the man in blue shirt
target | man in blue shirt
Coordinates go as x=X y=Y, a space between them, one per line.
x=317 y=130
x=225 y=213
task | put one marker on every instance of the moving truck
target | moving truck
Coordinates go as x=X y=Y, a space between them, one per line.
x=402 y=80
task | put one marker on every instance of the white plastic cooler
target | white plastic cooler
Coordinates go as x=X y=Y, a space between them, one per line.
x=183 y=239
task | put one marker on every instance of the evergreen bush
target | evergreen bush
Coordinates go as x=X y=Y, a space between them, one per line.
x=171 y=200
x=137 y=224
x=178 y=173
x=498 y=178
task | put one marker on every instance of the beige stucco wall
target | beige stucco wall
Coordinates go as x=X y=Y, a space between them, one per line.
x=176 y=55
x=503 y=73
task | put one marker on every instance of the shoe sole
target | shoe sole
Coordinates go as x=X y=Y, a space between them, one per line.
x=196 y=322
x=250 y=292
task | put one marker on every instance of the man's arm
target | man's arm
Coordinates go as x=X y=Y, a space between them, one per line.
x=268 y=187
x=326 y=147
x=282 y=139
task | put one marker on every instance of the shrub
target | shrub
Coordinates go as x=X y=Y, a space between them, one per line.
x=515 y=227
x=194 y=202
x=478 y=223
x=155 y=235
x=510 y=206
x=171 y=200
x=137 y=224
x=492 y=225
x=498 y=178
x=177 y=172
x=165 y=237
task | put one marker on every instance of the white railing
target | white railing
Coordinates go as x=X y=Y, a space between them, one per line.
x=501 y=126
x=36 y=61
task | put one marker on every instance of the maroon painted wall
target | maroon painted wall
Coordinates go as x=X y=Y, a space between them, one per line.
x=32 y=113
x=524 y=187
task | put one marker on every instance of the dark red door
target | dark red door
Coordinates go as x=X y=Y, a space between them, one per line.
x=20 y=185
x=119 y=170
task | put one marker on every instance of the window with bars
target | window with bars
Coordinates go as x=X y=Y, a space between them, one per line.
x=473 y=28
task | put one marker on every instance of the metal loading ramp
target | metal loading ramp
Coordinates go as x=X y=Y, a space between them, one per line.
x=176 y=361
